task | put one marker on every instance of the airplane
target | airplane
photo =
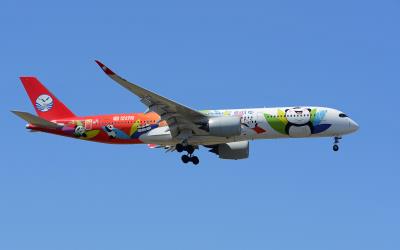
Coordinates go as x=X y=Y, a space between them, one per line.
x=174 y=127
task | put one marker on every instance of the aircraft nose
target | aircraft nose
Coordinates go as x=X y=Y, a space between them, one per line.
x=353 y=125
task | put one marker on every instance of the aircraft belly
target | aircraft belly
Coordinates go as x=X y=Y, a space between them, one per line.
x=158 y=139
x=160 y=135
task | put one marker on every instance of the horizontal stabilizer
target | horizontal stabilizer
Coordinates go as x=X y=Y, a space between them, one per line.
x=36 y=120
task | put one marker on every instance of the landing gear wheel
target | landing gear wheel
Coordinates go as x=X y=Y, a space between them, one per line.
x=195 y=160
x=179 y=148
x=185 y=159
x=335 y=148
x=189 y=149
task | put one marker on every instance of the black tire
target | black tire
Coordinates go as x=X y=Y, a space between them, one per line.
x=179 y=148
x=185 y=159
x=195 y=160
x=190 y=149
x=335 y=148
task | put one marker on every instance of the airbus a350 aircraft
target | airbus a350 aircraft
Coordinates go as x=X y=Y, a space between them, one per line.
x=175 y=127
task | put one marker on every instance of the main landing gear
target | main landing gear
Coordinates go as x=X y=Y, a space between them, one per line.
x=189 y=157
x=194 y=159
x=336 y=143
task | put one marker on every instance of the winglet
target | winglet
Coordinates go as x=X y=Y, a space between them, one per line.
x=105 y=68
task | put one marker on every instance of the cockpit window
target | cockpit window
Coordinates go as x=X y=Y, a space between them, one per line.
x=342 y=115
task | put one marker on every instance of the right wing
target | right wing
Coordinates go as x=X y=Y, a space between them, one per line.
x=182 y=121
x=36 y=120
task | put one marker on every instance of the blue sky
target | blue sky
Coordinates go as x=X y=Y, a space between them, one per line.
x=59 y=193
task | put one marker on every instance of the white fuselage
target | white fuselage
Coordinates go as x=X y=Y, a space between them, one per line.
x=269 y=123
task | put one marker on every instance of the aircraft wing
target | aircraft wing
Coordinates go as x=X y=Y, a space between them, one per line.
x=181 y=119
x=36 y=120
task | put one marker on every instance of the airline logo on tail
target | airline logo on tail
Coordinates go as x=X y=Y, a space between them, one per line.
x=44 y=103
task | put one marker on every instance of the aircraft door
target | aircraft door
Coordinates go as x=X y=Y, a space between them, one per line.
x=88 y=124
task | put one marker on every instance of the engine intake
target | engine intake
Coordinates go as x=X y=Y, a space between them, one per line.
x=232 y=151
x=224 y=126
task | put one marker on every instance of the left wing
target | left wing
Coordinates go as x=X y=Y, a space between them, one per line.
x=182 y=121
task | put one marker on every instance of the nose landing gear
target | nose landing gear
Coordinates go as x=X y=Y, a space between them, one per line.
x=189 y=157
x=336 y=143
x=335 y=147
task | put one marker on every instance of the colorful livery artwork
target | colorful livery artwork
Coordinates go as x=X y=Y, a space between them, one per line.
x=175 y=127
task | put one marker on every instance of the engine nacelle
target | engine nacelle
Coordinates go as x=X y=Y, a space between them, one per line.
x=233 y=150
x=224 y=126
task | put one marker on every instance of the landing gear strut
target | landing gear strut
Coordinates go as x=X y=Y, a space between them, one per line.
x=336 y=143
x=189 y=157
x=179 y=148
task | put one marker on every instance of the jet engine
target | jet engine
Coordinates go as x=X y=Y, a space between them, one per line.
x=232 y=151
x=223 y=126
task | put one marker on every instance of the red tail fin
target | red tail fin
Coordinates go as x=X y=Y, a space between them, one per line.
x=46 y=104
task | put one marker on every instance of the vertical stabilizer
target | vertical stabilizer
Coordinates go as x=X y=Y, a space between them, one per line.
x=45 y=103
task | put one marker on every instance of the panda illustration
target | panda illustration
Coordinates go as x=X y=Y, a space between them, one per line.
x=299 y=122
x=80 y=131
x=110 y=131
